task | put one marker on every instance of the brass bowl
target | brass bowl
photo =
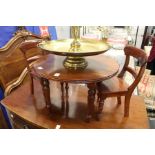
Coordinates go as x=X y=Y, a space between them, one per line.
x=75 y=60
x=63 y=47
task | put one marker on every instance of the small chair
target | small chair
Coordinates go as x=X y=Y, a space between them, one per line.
x=26 y=47
x=117 y=87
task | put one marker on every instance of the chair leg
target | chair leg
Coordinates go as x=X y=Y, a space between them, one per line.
x=101 y=100
x=46 y=92
x=126 y=105
x=101 y=104
x=119 y=100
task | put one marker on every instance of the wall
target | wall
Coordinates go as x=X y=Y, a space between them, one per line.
x=63 y=32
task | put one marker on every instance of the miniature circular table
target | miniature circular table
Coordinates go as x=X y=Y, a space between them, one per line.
x=100 y=68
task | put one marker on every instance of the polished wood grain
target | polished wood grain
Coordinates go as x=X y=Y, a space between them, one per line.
x=117 y=86
x=12 y=62
x=33 y=109
x=99 y=68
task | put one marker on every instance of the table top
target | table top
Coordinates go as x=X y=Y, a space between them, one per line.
x=99 y=68
x=32 y=109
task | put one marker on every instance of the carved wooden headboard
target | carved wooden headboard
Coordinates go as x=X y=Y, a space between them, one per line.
x=11 y=59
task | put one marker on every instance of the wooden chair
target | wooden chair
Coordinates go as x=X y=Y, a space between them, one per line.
x=117 y=87
x=25 y=47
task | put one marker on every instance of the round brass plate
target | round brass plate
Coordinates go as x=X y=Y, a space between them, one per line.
x=88 y=47
x=75 y=55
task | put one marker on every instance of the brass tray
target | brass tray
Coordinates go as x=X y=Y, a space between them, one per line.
x=75 y=50
x=88 y=47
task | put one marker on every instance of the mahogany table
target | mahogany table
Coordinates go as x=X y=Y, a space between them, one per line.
x=99 y=68
x=29 y=111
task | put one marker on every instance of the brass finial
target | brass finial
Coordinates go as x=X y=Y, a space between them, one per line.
x=75 y=45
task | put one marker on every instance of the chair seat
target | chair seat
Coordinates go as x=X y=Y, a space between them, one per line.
x=112 y=86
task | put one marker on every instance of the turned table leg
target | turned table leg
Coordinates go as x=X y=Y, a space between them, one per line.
x=62 y=98
x=67 y=102
x=91 y=100
x=46 y=92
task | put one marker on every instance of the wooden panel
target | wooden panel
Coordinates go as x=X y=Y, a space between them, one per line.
x=19 y=123
x=32 y=109
x=12 y=62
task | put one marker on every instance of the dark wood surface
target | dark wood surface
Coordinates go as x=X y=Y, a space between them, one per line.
x=12 y=62
x=32 y=109
x=99 y=68
x=3 y=124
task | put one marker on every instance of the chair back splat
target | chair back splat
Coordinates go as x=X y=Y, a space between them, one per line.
x=141 y=57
